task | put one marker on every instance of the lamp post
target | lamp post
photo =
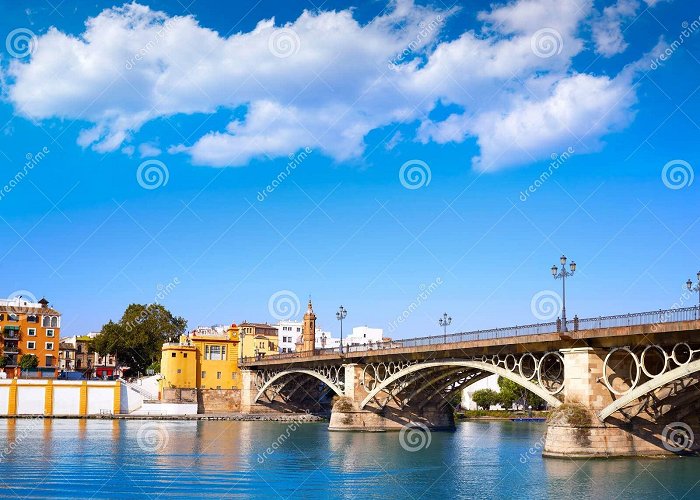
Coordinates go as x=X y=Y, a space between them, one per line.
x=242 y=335
x=340 y=316
x=689 y=284
x=563 y=274
x=444 y=322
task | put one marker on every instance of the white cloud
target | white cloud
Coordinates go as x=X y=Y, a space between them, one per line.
x=147 y=150
x=325 y=81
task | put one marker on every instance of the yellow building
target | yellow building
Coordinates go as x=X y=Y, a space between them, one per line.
x=206 y=358
x=258 y=339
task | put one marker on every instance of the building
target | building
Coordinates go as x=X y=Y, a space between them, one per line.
x=258 y=339
x=364 y=335
x=206 y=358
x=289 y=333
x=66 y=356
x=29 y=328
x=86 y=360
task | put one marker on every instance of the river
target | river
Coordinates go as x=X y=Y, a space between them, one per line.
x=214 y=459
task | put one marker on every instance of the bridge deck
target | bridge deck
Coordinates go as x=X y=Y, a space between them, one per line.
x=663 y=327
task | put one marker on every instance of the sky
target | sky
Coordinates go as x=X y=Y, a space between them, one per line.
x=403 y=159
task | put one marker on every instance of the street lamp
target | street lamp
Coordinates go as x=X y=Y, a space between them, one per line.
x=242 y=335
x=563 y=274
x=689 y=284
x=444 y=322
x=340 y=316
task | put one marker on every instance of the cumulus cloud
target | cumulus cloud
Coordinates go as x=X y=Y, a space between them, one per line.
x=326 y=81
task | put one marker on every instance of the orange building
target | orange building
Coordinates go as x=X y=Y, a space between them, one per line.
x=29 y=328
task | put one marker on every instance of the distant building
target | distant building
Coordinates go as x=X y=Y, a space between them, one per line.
x=364 y=335
x=206 y=358
x=77 y=352
x=289 y=334
x=29 y=328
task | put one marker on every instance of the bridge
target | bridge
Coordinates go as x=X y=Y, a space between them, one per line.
x=618 y=385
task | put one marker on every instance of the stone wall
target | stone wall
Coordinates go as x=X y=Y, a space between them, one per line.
x=219 y=400
x=173 y=395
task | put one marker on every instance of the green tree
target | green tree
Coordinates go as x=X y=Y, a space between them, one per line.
x=3 y=361
x=484 y=398
x=137 y=338
x=511 y=393
x=28 y=362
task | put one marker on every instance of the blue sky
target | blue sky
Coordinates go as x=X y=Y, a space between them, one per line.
x=475 y=98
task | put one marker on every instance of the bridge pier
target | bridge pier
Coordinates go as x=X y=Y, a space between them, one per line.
x=349 y=415
x=574 y=429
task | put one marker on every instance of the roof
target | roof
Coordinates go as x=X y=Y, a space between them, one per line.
x=13 y=308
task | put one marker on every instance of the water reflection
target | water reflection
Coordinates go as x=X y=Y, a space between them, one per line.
x=213 y=459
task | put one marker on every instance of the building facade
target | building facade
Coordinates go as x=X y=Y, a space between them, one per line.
x=29 y=328
x=76 y=354
x=258 y=339
x=206 y=358
x=289 y=334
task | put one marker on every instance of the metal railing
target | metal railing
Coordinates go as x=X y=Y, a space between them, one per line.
x=576 y=324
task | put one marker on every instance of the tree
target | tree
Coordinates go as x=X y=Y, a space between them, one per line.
x=485 y=398
x=511 y=393
x=138 y=337
x=28 y=362
x=3 y=361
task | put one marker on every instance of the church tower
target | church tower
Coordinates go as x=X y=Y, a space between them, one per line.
x=309 y=330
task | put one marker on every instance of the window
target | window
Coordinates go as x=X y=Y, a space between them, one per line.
x=49 y=361
x=54 y=321
x=179 y=370
x=233 y=375
x=49 y=346
x=2 y=317
x=204 y=374
x=13 y=317
x=218 y=375
x=46 y=321
x=174 y=355
x=31 y=345
x=32 y=318
x=31 y=332
x=215 y=352
x=49 y=333
x=184 y=354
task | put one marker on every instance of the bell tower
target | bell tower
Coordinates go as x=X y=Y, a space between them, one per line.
x=309 y=330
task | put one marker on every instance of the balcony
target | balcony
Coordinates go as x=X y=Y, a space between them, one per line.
x=10 y=360
x=10 y=335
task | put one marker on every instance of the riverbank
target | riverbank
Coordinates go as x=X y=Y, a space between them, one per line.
x=498 y=414
x=237 y=417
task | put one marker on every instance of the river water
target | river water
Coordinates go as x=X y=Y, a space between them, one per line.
x=214 y=459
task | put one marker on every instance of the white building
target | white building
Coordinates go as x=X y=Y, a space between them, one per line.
x=289 y=333
x=364 y=335
x=487 y=383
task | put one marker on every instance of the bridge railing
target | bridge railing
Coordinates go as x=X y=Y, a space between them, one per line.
x=620 y=320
